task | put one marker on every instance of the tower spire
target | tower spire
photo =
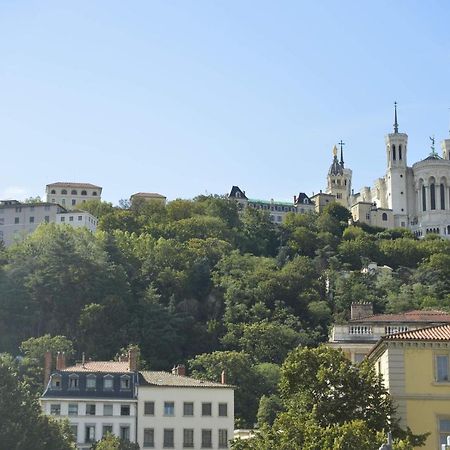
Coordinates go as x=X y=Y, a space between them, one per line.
x=341 y=144
x=395 y=120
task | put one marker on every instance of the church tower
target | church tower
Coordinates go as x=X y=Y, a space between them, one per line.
x=396 y=174
x=339 y=180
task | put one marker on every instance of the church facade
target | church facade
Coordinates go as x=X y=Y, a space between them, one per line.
x=416 y=197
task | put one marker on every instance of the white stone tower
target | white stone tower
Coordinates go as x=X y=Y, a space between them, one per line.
x=396 y=174
x=339 y=179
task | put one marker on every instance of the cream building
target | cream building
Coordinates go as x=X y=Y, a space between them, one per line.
x=179 y=412
x=149 y=197
x=72 y=195
x=18 y=220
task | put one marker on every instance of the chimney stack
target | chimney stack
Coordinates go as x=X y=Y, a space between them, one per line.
x=132 y=359
x=47 y=367
x=361 y=310
x=223 y=377
x=179 y=369
x=60 y=361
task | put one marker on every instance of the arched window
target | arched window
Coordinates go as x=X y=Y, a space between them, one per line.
x=400 y=151
x=384 y=217
x=94 y=193
x=442 y=195
x=393 y=153
x=432 y=196
x=424 y=199
x=64 y=192
x=52 y=191
x=83 y=193
x=73 y=192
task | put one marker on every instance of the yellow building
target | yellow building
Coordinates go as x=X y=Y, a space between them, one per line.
x=416 y=372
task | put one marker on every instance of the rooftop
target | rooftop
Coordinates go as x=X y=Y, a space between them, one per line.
x=148 y=194
x=74 y=185
x=99 y=366
x=436 y=333
x=167 y=379
x=270 y=202
x=416 y=316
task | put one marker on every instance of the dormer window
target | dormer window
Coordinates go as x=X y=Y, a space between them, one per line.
x=56 y=382
x=108 y=383
x=125 y=382
x=74 y=381
x=90 y=381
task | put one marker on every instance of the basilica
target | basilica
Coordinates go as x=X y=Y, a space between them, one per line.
x=416 y=197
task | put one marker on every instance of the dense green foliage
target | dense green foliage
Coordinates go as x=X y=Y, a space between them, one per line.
x=203 y=283
x=111 y=442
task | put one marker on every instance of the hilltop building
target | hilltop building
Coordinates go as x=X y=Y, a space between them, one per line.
x=415 y=366
x=72 y=195
x=18 y=220
x=357 y=337
x=148 y=197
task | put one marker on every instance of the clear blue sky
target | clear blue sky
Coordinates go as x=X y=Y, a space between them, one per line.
x=187 y=97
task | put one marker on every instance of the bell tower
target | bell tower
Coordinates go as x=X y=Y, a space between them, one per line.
x=339 y=179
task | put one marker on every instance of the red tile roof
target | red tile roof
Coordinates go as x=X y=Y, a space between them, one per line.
x=74 y=185
x=99 y=366
x=416 y=316
x=167 y=379
x=436 y=333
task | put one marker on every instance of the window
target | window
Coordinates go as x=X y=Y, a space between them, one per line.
x=149 y=408
x=168 y=440
x=63 y=219
x=71 y=219
x=441 y=367
x=32 y=219
x=169 y=408
x=89 y=435
x=432 y=196
x=47 y=219
x=149 y=437
x=73 y=192
x=55 y=409
x=74 y=202
x=16 y=220
x=124 y=410
x=206 y=438
x=393 y=152
x=206 y=409
x=424 y=199
x=384 y=217
x=188 y=438
x=63 y=191
x=52 y=191
x=73 y=409
x=90 y=410
x=73 y=381
x=63 y=201
x=223 y=438
x=56 y=382
x=2 y=221
x=400 y=152
x=83 y=193
x=80 y=218
x=125 y=432
x=90 y=382
x=107 y=429
x=108 y=382
x=124 y=382
x=74 y=431
x=94 y=193
x=442 y=195
x=223 y=409
x=188 y=409
x=444 y=430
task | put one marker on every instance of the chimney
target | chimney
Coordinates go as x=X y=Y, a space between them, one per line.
x=361 y=310
x=223 y=378
x=181 y=370
x=47 y=367
x=58 y=361
x=63 y=361
x=132 y=359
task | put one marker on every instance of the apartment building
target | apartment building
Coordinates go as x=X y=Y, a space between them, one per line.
x=97 y=397
x=72 y=195
x=179 y=412
x=18 y=220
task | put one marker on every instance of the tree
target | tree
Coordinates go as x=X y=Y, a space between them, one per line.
x=111 y=442
x=23 y=426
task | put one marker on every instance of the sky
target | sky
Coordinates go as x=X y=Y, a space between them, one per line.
x=191 y=97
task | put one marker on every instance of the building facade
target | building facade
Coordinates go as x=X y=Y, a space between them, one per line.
x=18 y=220
x=148 y=197
x=96 y=397
x=415 y=366
x=179 y=412
x=357 y=337
x=72 y=195
x=277 y=210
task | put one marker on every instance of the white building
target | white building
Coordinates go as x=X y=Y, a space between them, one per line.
x=178 y=412
x=96 y=397
x=71 y=195
x=18 y=220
